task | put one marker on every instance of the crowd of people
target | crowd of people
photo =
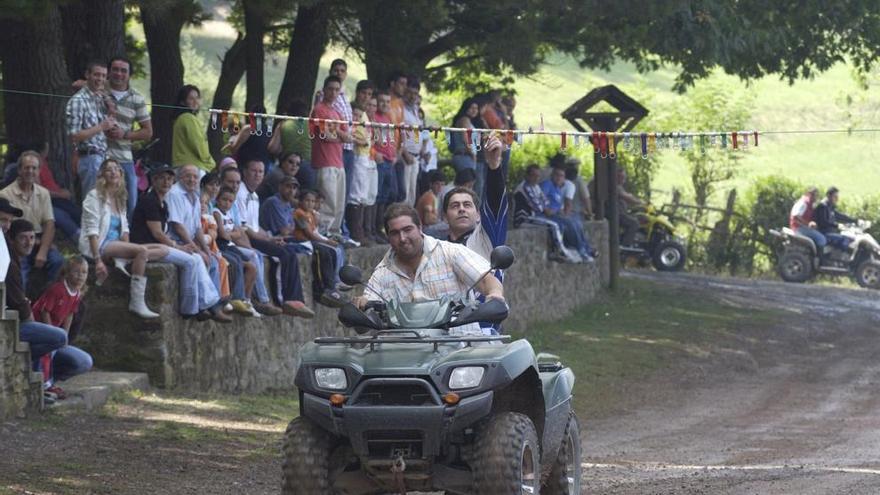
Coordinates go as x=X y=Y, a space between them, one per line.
x=234 y=228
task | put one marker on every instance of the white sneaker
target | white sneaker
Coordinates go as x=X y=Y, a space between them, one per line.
x=254 y=312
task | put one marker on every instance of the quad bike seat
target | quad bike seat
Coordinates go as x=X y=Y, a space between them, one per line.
x=801 y=238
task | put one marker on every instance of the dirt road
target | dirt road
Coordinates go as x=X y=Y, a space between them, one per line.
x=800 y=415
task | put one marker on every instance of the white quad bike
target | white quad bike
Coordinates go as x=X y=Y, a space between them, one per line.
x=800 y=261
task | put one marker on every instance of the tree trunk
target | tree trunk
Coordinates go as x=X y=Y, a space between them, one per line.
x=310 y=37
x=255 y=28
x=162 y=26
x=93 y=30
x=232 y=68
x=32 y=56
x=390 y=44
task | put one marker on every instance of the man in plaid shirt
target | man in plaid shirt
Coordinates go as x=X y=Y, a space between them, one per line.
x=87 y=121
x=421 y=268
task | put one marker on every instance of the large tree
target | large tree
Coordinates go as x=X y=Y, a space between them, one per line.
x=307 y=42
x=93 y=30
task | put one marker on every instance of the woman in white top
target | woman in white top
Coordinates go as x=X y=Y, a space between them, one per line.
x=105 y=235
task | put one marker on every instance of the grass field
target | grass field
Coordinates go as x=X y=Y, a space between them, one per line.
x=848 y=161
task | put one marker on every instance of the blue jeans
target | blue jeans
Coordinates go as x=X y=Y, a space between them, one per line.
x=43 y=339
x=400 y=178
x=387 y=190
x=572 y=234
x=131 y=185
x=197 y=290
x=70 y=361
x=54 y=263
x=813 y=234
x=236 y=270
x=66 y=223
x=88 y=172
x=306 y=175
x=347 y=164
x=837 y=240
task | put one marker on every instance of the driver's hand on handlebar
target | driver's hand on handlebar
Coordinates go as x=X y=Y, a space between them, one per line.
x=360 y=302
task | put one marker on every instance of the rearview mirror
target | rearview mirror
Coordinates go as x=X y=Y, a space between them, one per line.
x=501 y=258
x=491 y=311
x=351 y=275
x=350 y=316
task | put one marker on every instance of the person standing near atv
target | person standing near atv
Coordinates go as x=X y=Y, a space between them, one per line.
x=629 y=224
x=827 y=218
x=421 y=268
x=801 y=218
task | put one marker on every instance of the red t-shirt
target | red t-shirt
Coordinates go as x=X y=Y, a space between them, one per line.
x=58 y=302
x=46 y=178
x=326 y=153
x=387 y=151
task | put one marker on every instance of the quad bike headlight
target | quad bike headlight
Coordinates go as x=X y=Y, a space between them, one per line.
x=331 y=378
x=466 y=377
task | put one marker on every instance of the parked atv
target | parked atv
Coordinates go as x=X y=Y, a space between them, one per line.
x=799 y=260
x=656 y=242
x=406 y=405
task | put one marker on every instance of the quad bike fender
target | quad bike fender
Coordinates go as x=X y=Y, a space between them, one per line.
x=557 y=388
x=664 y=223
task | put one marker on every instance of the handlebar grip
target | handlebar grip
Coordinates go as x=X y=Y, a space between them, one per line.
x=375 y=305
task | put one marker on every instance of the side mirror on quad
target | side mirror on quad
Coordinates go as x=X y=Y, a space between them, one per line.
x=491 y=311
x=351 y=316
x=501 y=258
x=351 y=275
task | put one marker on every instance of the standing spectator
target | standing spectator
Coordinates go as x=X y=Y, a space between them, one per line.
x=288 y=166
x=411 y=148
x=531 y=207
x=189 y=145
x=293 y=137
x=363 y=93
x=249 y=145
x=397 y=84
x=248 y=205
x=87 y=121
x=34 y=200
x=185 y=220
x=198 y=296
x=339 y=69
x=463 y=155
x=364 y=182
x=67 y=361
x=327 y=154
x=234 y=244
x=629 y=224
x=277 y=217
x=130 y=107
x=578 y=193
x=370 y=231
x=386 y=156
x=105 y=235
x=801 y=218
x=429 y=203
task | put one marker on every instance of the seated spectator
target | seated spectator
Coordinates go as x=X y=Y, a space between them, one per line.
x=288 y=165
x=328 y=256
x=292 y=137
x=801 y=218
x=198 y=296
x=36 y=203
x=559 y=206
x=248 y=205
x=249 y=145
x=234 y=243
x=57 y=306
x=579 y=194
x=277 y=217
x=531 y=206
x=105 y=235
x=189 y=145
x=67 y=361
x=429 y=203
x=364 y=181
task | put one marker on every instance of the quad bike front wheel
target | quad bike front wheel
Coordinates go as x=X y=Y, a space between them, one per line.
x=565 y=474
x=306 y=465
x=669 y=256
x=795 y=266
x=507 y=456
x=868 y=274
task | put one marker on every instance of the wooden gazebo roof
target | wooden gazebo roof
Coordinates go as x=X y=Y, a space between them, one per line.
x=629 y=111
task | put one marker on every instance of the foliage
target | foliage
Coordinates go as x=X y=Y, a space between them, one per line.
x=135 y=49
x=767 y=205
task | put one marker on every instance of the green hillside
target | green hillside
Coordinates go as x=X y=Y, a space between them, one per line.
x=850 y=162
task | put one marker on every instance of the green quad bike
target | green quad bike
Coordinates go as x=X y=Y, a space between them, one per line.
x=411 y=407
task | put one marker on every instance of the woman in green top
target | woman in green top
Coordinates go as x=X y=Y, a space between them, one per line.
x=189 y=143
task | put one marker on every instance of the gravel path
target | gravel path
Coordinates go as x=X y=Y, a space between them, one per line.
x=803 y=419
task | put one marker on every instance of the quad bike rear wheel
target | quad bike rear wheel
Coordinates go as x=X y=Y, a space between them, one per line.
x=507 y=456
x=795 y=266
x=565 y=474
x=868 y=274
x=669 y=256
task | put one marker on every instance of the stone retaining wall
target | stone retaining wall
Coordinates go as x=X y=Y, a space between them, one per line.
x=256 y=354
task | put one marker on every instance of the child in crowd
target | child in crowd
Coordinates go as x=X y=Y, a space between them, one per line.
x=56 y=307
x=233 y=241
x=364 y=182
x=329 y=255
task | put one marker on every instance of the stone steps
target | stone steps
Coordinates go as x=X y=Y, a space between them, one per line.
x=20 y=388
x=92 y=390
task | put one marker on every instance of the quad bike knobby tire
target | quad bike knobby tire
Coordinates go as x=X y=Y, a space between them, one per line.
x=507 y=457
x=565 y=474
x=868 y=274
x=306 y=465
x=795 y=266
x=669 y=256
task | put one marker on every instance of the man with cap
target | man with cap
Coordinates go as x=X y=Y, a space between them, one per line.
x=68 y=361
x=198 y=294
